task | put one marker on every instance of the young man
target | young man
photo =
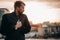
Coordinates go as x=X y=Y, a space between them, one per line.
x=15 y=24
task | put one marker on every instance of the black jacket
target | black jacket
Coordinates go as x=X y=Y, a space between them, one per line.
x=8 y=26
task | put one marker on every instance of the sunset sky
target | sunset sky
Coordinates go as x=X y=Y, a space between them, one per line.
x=37 y=11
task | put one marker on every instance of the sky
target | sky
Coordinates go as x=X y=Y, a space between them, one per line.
x=40 y=12
x=37 y=12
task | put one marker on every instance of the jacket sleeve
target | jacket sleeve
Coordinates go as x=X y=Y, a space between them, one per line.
x=6 y=28
x=26 y=27
x=3 y=24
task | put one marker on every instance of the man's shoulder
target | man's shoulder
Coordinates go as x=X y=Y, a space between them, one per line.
x=7 y=14
x=4 y=16
x=25 y=15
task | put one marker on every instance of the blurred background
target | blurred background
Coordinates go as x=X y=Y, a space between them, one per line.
x=43 y=15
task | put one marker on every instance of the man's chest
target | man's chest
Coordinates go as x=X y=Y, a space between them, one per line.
x=13 y=19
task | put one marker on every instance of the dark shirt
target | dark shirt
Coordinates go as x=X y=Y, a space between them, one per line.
x=8 y=26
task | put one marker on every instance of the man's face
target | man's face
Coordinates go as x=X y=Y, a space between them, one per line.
x=21 y=8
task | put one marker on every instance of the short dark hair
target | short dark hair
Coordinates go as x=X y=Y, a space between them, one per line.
x=18 y=4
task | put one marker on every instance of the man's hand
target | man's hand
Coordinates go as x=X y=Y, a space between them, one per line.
x=18 y=24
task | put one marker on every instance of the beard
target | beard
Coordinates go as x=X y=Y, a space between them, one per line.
x=20 y=12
